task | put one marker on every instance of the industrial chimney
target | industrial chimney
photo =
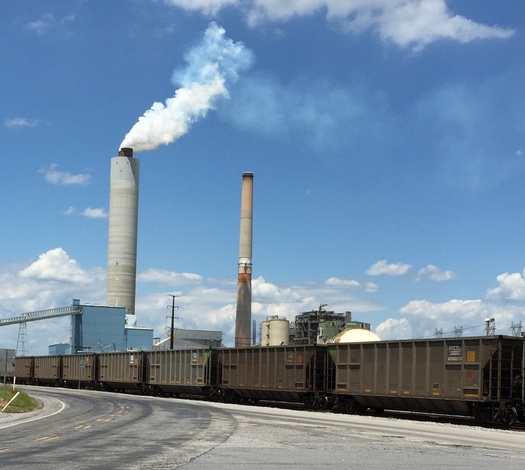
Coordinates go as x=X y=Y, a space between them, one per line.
x=122 y=238
x=244 y=280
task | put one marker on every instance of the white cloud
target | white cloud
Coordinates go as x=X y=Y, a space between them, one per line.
x=435 y=274
x=171 y=278
x=51 y=281
x=392 y=269
x=64 y=178
x=95 y=213
x=453 y=309
x=371 y=287
x=421 y=318
x=55 y=265
x=55 y=278
x=419 y=22
x=48 y=22
x=20 y=122
x=394 y=329
x=511 y=287
x=208 y=7
x=334 y=281
x=212 y=304
x=406 y=23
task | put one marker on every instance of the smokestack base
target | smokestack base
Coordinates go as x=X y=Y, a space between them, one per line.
x=126 y=152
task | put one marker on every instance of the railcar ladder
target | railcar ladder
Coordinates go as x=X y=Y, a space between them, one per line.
x=501 y=372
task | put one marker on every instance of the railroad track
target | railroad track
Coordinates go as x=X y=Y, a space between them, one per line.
x=402 y=415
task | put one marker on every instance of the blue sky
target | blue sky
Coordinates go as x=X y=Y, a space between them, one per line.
x=387 y=145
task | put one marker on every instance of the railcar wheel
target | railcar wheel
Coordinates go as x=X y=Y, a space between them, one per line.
x=481 y=415
x=356 y=407
x=308 y=402
x=212 y=394
x=510 y=416
x=230 y=397
x=349 y=405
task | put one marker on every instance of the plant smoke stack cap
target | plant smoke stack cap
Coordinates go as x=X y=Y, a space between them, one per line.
x=126 y=152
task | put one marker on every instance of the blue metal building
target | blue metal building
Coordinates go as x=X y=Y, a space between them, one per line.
x=102 y=328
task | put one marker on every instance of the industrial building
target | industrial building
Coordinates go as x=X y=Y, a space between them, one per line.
x=103 y=328
x=322 y=326
x=191 y=339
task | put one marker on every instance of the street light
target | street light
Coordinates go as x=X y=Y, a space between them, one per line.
x=488 y=328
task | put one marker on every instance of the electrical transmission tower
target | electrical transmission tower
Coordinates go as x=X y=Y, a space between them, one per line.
x=458 y=332
x=21 y=342
x=516 y=329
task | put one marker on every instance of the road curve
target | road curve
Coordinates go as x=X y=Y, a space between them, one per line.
x=96 y=430
x=277 y=439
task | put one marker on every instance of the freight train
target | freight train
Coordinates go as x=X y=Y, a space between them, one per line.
x=482 y=377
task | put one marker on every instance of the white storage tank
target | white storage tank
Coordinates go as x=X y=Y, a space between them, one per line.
x=275 y=331
x=356 y=335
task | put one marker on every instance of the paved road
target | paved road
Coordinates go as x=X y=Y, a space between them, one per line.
x=279 y=439
x=113 y=431
x=96 y=430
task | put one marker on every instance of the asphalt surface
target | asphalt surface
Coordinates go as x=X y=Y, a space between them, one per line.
x=88 y=430
x=95 y=430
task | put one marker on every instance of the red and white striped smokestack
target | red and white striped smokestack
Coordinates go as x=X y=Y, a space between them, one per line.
x=244 y=281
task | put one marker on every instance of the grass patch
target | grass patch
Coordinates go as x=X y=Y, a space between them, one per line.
x=21 y=404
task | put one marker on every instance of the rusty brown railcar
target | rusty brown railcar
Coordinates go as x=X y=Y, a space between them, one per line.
x=80 y=370
x=47 y=370
x=280 y=373
x=477 y=376
x=24 y=369
x=122 y=370
x=185 y=371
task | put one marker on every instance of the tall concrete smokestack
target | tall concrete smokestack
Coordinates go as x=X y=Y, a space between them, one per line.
x=122 y=238
x=244 y=282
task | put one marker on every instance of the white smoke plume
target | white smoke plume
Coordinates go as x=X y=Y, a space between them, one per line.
x=212 y=65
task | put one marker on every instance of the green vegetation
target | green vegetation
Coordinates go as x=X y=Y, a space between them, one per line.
x=22 y=403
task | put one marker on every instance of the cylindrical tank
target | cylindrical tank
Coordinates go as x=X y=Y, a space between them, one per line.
x=356 y=335
x=122 y=237
x=275 y=331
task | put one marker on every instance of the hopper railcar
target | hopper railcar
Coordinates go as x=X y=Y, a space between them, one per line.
x=80 y=370
x=277 y=373
x=478 y=376
x=183 y=372
x=121 y=371
x=482 y=377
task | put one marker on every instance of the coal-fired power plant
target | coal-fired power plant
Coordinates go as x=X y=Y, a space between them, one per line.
x=244 y=280
x=122 y=238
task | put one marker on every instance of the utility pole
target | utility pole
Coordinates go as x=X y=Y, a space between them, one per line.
x=172 y=329
x=490 y=330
